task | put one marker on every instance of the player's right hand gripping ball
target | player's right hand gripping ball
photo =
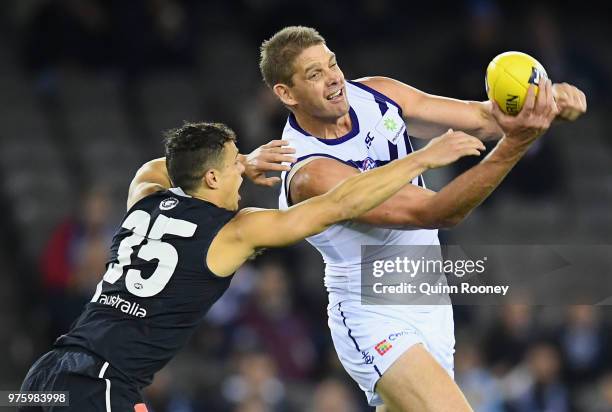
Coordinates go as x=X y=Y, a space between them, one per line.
x=508 y=78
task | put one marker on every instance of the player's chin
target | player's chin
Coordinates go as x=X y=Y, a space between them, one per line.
x=338 y=109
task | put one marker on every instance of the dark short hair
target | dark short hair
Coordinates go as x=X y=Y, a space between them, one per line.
x=279 y=52
x=194 y=148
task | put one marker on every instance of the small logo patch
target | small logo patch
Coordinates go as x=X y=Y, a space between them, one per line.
x=169 y=203
x=368 y=163
x=390 y=124
x=383 y=347
x=536 y=76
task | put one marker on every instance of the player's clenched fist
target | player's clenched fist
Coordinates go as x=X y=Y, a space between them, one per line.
x=570 y=100
x=449 y=147
x=533 y=120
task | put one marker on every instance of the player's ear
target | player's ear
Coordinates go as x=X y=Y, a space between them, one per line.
x=211 y=178
x=283 y=92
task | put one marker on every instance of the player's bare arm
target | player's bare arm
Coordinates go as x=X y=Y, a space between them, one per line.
x=150 y=178
x=414 y=206
x=253 y=229
x=429 y=115
x=153 y=176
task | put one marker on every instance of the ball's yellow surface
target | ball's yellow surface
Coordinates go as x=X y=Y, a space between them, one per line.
x=508 y=78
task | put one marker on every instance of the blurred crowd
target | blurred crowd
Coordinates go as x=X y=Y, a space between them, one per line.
x=265 y=345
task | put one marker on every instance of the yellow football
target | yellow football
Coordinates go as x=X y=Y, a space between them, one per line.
x=508 y=77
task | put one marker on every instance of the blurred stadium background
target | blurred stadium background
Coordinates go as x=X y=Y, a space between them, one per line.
x=87 y=86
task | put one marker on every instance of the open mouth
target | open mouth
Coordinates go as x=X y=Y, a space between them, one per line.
x=335 y=96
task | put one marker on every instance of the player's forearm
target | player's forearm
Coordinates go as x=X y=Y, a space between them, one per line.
x=362 y=192
x=455 y=201
x=438 y=114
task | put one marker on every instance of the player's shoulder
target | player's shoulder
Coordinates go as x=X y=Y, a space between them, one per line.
x=369 y=84
x=235 y=227
x=380 y=88
x=374 y=82
x=247 y=211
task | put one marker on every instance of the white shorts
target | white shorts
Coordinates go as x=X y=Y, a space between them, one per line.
x=369 y=338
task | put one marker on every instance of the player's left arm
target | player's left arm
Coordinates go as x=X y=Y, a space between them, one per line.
x=428 y=115
x=150 y=178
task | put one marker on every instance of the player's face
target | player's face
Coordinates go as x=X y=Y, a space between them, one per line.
x=231 y=175
x=318 y=84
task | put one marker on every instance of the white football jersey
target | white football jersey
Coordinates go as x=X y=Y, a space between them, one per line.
x=378 y=136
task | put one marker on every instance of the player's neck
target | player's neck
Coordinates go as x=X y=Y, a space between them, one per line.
x=325 y=128
x=208 y=196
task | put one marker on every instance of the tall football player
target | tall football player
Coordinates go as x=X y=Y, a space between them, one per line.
x=340 y=128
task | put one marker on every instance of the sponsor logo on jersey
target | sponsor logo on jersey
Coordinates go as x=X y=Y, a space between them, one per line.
x=169 y=203
x=399 y=334
x=125 y=306
x=390 y=126
x=383 y=347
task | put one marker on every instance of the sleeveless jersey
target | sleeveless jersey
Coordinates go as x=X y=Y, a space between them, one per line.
x=157 y=286
x=378 y=136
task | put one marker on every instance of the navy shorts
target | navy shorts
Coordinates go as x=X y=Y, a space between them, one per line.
x=91 y=383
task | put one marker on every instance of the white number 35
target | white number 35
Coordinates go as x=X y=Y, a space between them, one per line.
x=138 y=222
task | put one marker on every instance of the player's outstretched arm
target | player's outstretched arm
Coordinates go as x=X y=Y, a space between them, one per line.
x=429 y=115
x=253 y=229
x=414 y=206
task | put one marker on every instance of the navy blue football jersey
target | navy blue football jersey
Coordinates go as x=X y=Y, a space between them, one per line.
x=157 y=286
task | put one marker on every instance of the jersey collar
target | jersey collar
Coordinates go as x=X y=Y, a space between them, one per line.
x=354 y=131
x=178 y=191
